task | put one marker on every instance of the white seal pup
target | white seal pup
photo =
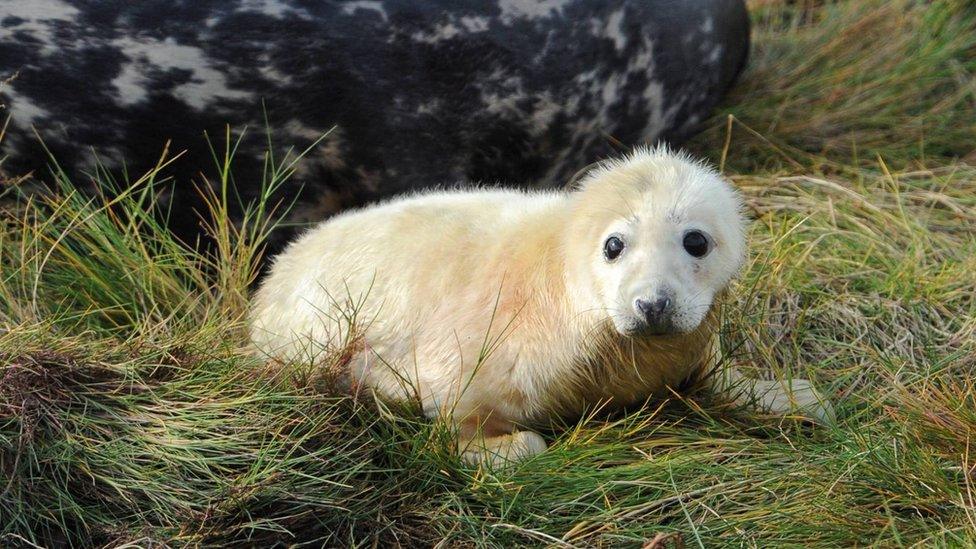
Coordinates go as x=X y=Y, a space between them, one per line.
x=500 y=309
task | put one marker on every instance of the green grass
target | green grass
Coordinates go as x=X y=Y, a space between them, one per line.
x=130 y=413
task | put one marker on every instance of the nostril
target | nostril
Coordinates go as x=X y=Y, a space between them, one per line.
x=662 y=304
x=645 y=307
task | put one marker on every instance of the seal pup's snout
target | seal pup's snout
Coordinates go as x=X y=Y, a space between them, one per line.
x=656 y=312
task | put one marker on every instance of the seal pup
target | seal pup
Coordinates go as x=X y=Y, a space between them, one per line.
x=501 y=309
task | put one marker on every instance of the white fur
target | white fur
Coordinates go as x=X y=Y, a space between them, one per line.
x=498 y=309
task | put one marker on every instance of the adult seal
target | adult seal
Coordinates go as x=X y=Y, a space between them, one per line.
x=523 y=91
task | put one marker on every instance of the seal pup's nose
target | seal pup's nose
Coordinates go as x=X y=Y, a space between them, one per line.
x=656 y=312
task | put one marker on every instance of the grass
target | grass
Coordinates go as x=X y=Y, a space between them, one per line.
x=130 y=413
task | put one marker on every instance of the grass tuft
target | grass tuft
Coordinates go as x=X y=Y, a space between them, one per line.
x=841 y=83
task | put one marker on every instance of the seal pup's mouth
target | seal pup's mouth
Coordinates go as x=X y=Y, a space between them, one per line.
x=637 y=328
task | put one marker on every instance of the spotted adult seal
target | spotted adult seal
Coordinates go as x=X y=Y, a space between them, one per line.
x=419 y=93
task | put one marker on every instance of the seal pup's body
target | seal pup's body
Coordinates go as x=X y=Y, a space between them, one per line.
x=501 y=309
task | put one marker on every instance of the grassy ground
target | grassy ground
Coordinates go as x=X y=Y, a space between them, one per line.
x=129 y=414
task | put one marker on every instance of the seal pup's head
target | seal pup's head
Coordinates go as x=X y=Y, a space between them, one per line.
x=653 y=239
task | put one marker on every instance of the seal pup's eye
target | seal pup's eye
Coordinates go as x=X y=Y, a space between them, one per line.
x=613 y=247
x=696 y=243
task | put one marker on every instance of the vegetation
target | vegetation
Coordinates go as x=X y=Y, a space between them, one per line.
x=131 y=413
